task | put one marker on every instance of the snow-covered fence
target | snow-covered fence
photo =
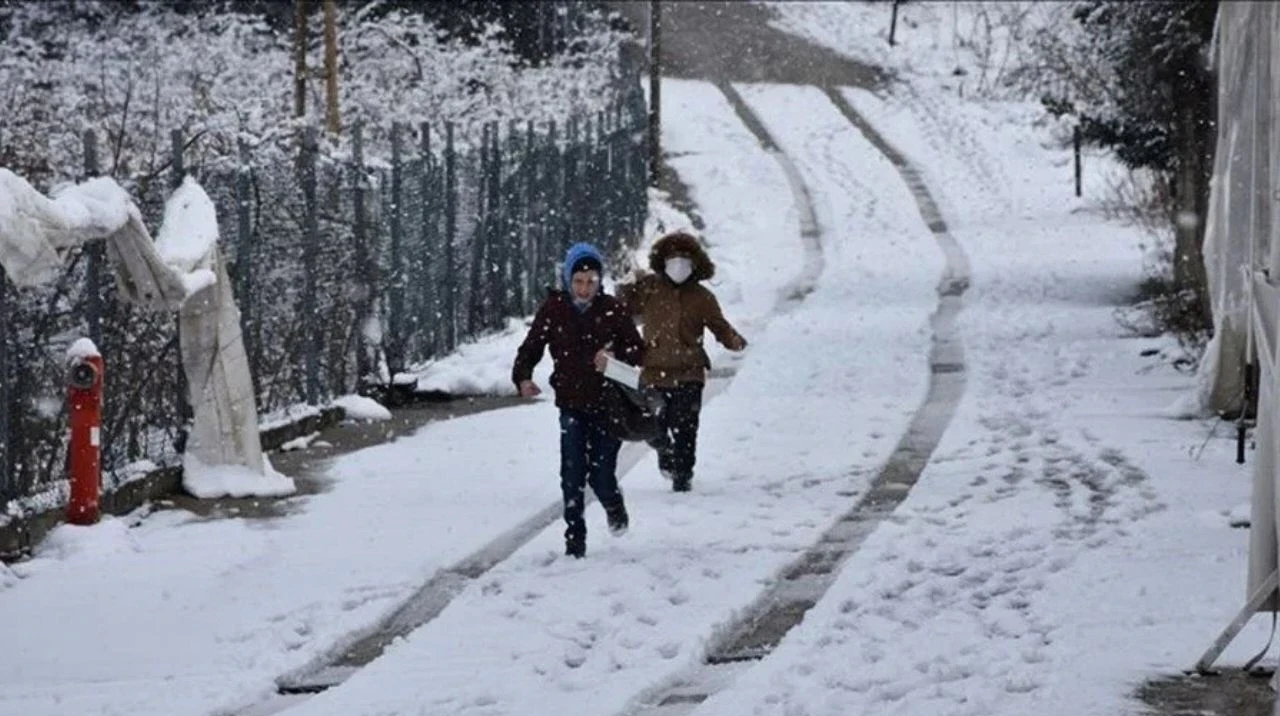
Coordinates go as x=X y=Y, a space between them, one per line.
x=347 y=267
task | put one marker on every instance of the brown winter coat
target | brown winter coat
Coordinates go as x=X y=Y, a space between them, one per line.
x=675 y=315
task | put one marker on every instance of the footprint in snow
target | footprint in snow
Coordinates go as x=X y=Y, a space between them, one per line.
x=575 y=657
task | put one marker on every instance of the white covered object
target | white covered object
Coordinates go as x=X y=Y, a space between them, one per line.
x=224 y=436
x=1240 y=229
x=182 y=270
x=34 y=227
x=1242 y=251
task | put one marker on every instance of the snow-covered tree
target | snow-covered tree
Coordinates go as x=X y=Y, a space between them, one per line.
x=1135 y=76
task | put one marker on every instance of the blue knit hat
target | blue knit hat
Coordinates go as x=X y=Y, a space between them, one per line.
x=582 y=257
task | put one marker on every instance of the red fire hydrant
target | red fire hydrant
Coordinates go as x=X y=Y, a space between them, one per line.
x=84 y=454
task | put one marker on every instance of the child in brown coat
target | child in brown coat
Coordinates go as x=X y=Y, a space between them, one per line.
x=676 y=309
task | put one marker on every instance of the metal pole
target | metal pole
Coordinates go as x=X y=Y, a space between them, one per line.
x=366 y=268
x=244 y=256
x=1264 y=592
x=655 y=91
x=498 y=248
x=311 y=242
x=532 y=224
x=893 y=24
x=514 y=227
x=427 y=238
x=395 y=308
x=177 y=171
x=479 y=237
x=449 y=280
x=555 y=227
x=93 y=251
x=1075 y=146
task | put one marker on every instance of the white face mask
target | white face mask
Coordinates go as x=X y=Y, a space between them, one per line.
x=679 y=268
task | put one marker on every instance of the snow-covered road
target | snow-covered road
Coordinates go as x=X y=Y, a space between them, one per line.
x=1065 y=541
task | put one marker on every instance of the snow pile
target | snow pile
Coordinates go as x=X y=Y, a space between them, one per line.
x=97 y=207
x=108 y=538
x=7 y=577
x=481 y=367
x=188 y=236
x=214 y=481
x=299 y=443
x=288 y=415
x=359 y=407
x=82 y=348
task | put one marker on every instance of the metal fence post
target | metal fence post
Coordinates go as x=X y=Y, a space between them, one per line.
x=365 y=266
x=476 y=297
x=514 y=226
x=499 y=252
x=553 y=224
x=573 y=220
x=186 y=414
x=244 y=261
x=311 y=246
x=530 y=223
x=395 y=298
x=449 y=279
x=425 y=309
x=94 y=251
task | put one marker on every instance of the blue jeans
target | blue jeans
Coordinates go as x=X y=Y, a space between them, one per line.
x=588 y=455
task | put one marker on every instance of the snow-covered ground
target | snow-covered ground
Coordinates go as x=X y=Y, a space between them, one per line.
x=537 y=634
x=1066 y=540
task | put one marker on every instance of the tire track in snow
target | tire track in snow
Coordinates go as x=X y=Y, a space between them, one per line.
x=783 y=605
x=810 y=232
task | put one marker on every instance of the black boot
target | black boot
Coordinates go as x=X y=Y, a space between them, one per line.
x=618 y=520
x=682 y=483
x=575 y=546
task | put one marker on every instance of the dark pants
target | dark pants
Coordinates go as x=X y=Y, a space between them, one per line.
x=588 y=455
x=678 y=452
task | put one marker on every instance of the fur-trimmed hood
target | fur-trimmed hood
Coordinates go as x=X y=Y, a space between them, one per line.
x=684 y=244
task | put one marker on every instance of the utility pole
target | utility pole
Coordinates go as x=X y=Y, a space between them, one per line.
x=299 y=58
x=332 y=121
x=655 y=91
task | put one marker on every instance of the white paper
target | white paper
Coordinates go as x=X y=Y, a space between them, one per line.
x=621 y=372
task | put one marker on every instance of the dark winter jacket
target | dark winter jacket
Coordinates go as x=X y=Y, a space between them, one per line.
x=574 y=338
x=676 y=315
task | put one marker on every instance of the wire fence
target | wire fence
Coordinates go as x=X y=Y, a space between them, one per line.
x=346 y=269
